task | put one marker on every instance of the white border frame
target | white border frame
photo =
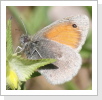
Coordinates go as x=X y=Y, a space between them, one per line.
x=1 y=97
x=49 y=92
x=99 y=1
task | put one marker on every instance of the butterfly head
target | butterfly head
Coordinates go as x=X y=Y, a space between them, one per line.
x=24 y=39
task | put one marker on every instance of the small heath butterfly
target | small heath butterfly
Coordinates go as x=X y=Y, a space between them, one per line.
x=61 y=40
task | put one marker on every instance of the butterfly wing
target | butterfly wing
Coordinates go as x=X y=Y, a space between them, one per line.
x=70 y=31
x=67 y=65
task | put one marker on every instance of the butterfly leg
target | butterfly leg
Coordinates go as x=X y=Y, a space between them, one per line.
x=35 y=50
x=38 y=53
x=19 y=49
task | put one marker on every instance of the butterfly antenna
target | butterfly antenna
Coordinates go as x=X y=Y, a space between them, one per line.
x=23 y=25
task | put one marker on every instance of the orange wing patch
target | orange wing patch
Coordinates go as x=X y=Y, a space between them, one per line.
x=64 y=34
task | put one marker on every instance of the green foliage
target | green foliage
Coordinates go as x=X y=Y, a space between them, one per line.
x=24 y=67
x=9 y=49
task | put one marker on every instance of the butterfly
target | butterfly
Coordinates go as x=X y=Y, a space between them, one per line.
x=61 y=40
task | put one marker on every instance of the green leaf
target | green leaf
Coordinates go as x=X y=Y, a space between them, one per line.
x=24 y=67
x=9 y=49
x=19 y=70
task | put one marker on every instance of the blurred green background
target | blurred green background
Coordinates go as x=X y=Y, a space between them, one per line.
x=37 y=17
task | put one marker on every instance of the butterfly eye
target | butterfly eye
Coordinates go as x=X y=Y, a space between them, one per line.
x=74 y=25
x=26 y=39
